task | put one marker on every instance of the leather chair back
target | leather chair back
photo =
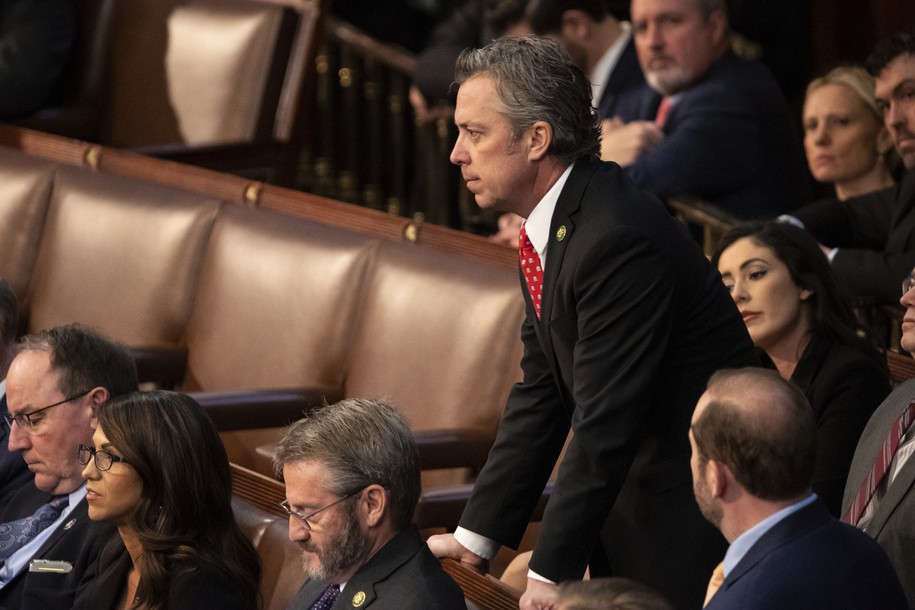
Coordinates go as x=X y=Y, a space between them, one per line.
x=438 y=336
x=190 y=71
x=27 y=184
x=119 y=256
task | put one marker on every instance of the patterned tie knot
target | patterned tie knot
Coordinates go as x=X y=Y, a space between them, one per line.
x=327 y=599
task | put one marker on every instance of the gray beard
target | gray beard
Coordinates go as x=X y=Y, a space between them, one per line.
x=339 y=554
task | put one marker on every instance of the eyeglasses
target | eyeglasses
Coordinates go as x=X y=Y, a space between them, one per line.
x=908 y=283
x=25 y=421
x=303 y=519
x=103 y=459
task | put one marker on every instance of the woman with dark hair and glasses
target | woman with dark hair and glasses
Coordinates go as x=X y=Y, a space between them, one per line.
x=799 y=317
x=159 y=471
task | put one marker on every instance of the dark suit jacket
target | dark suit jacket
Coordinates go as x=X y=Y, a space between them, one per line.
x=634 y=321
x=403 y=575
x=198 y=586
x=729 y=139
x=893 y=524
x=625 y=77
x=810 y=560
x=875 y=234
x=77 y=540
x=844 y=386
x=14 y=473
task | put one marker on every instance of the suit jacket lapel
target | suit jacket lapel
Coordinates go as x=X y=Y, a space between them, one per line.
x=562 y=232
x=75 y=517
x=783 y=532
x=894 y=495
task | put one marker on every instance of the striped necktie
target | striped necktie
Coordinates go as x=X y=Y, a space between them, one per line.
x=881 y=466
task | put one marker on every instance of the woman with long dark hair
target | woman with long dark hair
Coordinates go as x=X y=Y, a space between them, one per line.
x=159 y=471
x=796 y=312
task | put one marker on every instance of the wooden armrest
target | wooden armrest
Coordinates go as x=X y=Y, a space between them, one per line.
x=453 y=448
x=442 y=507
x=163 y=364
x=901 y=366
x=263 y=492
x=253 y=409
x=702 y=212
x=482 y=589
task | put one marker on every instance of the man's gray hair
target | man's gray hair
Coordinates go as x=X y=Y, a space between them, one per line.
x=361 y=442
x=536 y=81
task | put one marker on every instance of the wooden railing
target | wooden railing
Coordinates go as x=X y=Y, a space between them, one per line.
x=367 y=146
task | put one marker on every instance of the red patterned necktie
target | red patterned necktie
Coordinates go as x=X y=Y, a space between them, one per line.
x=532 y=269
x=663 y=111
x=881 y=466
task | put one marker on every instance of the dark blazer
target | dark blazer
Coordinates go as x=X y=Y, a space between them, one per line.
x=634 y=321
x=811 y=560
x=403 y=575
x=625 y=77
x=197 y=586
x=77 y=540
x=729 y=139
x=875 y=234
x=844 y=386
x=893 y=523
x=14 y=473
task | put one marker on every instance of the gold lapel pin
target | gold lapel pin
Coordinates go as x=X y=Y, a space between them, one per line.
x=358 y=599
x=561 y=233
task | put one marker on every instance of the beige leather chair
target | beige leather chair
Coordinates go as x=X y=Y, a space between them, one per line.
x=27 y=186
x=276 y=306
x=120 y=256
x=220 y=83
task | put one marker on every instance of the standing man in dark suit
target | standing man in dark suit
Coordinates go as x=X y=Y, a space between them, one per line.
x=625 y=322
x=870 y=240
x=881 y=500
x=710 y=124
x=14 y=473
x=55 y=385
x=753 y=442
x=352 y=483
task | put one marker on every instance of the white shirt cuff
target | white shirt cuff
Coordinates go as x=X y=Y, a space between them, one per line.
x=536 y=576
x=476 y=544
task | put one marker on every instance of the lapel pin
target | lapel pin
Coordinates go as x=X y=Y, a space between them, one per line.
x=358 y=599
x=561 y=233
x=69 y=524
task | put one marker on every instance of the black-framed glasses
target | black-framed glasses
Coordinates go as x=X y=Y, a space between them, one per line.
x=908 y=283
x=103 y=459
x=25 y=421
x=303 y=519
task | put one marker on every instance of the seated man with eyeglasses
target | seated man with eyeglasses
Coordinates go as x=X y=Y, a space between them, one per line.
x=352 y=483
x=55 y=385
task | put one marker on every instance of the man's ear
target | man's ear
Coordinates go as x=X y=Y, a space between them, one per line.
x=718 y=20
x=375 y=504
x=541 y=136
x=97 y=397
x=717 y=475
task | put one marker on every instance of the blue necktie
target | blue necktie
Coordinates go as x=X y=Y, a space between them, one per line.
x=16 y=534
x=328 y=598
